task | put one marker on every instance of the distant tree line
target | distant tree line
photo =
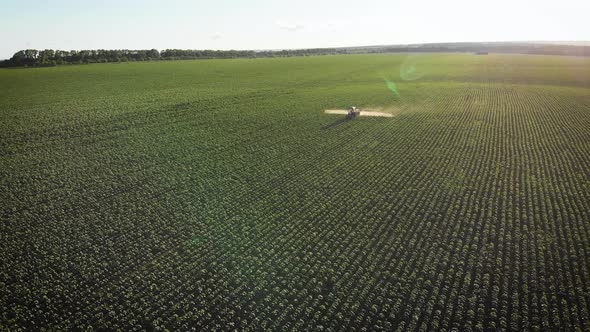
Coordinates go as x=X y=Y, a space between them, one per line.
x=485 y=48
x=41 y=58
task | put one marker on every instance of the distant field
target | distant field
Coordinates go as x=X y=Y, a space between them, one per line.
x=218 y=195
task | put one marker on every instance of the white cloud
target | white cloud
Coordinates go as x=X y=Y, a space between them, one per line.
x=288 y=25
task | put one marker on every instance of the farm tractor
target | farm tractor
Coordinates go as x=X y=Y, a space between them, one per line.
x=353 y=112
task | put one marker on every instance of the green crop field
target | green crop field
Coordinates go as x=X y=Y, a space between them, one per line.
x=217 y=194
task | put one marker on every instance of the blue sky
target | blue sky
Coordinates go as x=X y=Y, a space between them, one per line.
x=265 y=24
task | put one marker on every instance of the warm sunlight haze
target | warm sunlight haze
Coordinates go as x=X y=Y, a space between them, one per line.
x=360 y=166
x=267 y=24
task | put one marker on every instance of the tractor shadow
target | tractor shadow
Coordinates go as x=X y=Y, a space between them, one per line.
x=335 y=123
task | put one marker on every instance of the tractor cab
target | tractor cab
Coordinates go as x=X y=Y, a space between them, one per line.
x=352 y=112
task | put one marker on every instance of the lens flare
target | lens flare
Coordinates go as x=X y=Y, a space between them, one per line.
x=198 y=240
x=391 y=86
x=409 y=69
